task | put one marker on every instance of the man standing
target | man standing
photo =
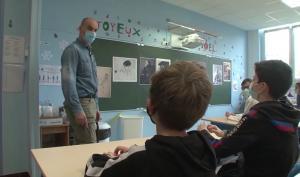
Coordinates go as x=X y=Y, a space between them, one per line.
x=79 y=83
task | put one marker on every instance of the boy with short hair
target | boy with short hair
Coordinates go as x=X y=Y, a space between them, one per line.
x=179 y=96
x=267 y=134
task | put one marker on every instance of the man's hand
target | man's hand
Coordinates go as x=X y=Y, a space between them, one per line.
x=214 y=129
x=80 y=118
x=120 y=150
x=98 y=116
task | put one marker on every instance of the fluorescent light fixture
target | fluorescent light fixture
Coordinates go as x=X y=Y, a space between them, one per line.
x=291 y=3
x=189 y=28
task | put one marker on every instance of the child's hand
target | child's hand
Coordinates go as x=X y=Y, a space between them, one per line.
x=202 y=126
x=120 y=150
x=110 y=154
x=227 y=114
x=214 y=129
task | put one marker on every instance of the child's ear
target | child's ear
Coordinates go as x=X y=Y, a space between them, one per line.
x=265 y=88
x=150 y=106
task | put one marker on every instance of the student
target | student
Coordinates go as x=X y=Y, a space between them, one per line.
x=245 y=93
x=297 y=90
x=267 y=134
x=179 y=96
x=245 y=102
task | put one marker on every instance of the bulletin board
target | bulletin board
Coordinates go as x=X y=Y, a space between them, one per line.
x=131 y=95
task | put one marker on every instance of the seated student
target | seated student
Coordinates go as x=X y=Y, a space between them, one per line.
x=179 y=96
x=246 y=101
x=267 y=134
x=297 y=90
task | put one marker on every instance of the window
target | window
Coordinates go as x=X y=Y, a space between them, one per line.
x=277 y=45
x=296 y=37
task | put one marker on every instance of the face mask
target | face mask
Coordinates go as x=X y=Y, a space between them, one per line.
x=89 y=37
x=252 y=92
x=150 y=116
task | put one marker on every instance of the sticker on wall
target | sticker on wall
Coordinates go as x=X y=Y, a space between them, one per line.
x=217 y=74
x=47 y=55
x=147 y=69
x=226 y=71
x=50 y=75
x=124 y=69
x=104 y=82
x=162 y=63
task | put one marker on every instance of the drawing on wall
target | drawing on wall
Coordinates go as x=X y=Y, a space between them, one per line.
x=104 y=82
x=50 y=75
x=162 y=63
x=124 y=69
x=147 y=69
x=217 y=74
x=47 y=55
x=226 y=71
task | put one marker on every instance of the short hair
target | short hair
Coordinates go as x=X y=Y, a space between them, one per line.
x=85 y=19
x=246 y=80
x=180 y=94
x=276 y=74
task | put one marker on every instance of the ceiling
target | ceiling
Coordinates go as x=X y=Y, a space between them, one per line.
x=244 y=14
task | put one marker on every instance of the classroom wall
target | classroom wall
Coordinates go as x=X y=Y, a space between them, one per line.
x=254 y=53
x=15 y=124
x=19 y=115
x=61 y=18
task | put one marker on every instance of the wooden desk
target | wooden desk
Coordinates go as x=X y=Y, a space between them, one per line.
x=70 y=161
x=61 y=133
x=221 y=120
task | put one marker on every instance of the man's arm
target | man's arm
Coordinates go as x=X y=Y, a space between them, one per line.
x=69 y=62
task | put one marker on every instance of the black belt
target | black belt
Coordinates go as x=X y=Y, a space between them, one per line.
x=88 y=96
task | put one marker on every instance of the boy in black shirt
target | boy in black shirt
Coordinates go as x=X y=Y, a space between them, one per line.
x=179 y=96
x=267 y=134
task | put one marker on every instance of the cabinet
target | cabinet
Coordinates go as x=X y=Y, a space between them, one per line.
x=54 y=135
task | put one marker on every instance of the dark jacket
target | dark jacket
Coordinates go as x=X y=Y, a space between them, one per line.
x=163 y=156
x=267 y=136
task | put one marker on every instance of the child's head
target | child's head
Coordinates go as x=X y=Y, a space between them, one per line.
x=246 y=83
x=272 y=77
x=179 y=95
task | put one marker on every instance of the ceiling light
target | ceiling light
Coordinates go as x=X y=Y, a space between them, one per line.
x=291 y=3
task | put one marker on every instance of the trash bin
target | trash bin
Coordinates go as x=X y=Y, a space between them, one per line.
x=103 y=132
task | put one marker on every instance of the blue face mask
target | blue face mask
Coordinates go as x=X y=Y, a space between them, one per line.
x=89 y=37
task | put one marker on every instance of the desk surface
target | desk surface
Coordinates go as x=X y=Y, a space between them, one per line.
x=71 y=160
x=222 y=120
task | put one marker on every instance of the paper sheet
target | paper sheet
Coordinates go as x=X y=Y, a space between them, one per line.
x=13 y=78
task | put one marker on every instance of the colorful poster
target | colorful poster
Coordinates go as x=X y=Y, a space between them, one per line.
x=50 y=75
x=147 y=69
x=124 y=69
x=104 y=82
